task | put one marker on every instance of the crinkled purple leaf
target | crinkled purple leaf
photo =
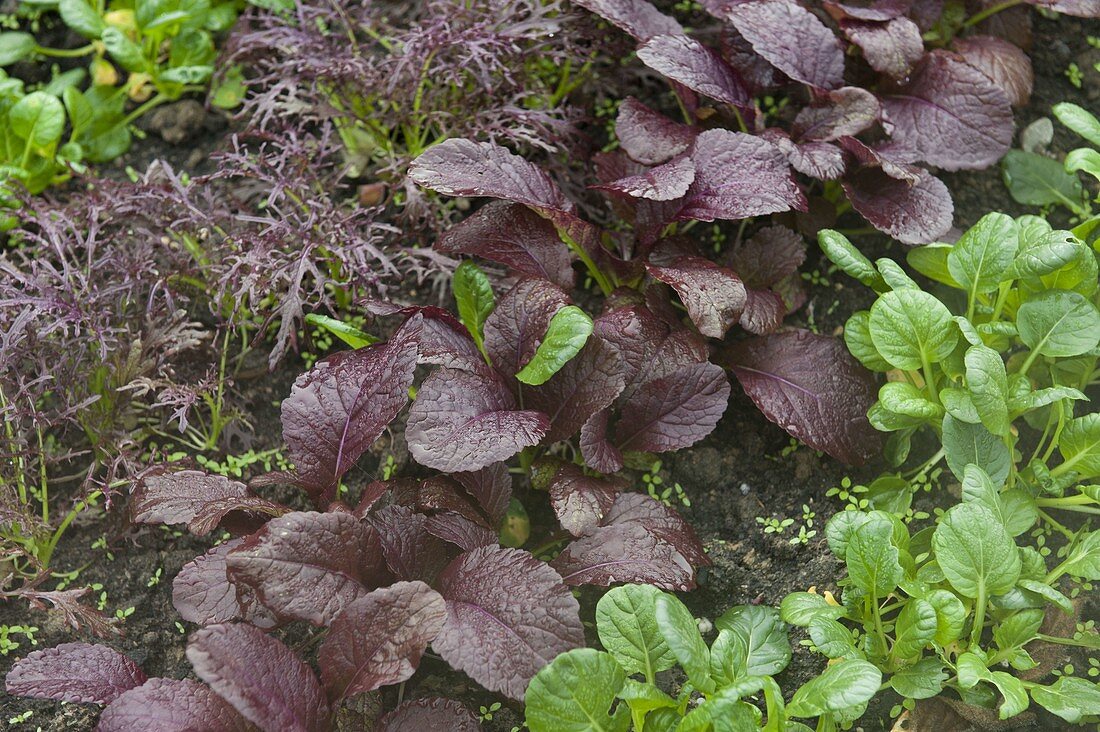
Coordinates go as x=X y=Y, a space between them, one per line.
x=763 y=313
x=596 y=447
x=759 y=75
x=460 y=531
x=458 y=167
x=792 y=39
x=950 y=114
x=650 y=137
x=1004 y=63
x=262 y=678
x=813 y=388
x=171 y=705
x=202 y=592
x=337 y=409
x=462 y=421
x=508 y=615
x=821 y=160
x=1080 y=8
x=912 y=213
x=409 y=550
x=663 y=521
x=674 y=411
x=880 y=10
x=517 y=325
x=440 y=493
x=515 y=236
x=580 y=501
x=638 y=18
x=491 y=487
x=214 y=513
x=894 y=161
x=75 y=672
x=769 y=255
x=378 y=639
x=687 y=61
x=587 y=383
x=309 y=566
x=438 y=715
x=738 y=176
x=890 y=48
x=845 y=111
x=442 y=339
x=665 y=182
x=713 y=295
x=195 y=498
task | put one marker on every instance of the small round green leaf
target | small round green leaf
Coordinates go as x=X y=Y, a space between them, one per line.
x=841 y=686
x=15 y=46
x=574 y=693
x=627 y=624
x=38 y=118
x=976 y=554
x=910 y=326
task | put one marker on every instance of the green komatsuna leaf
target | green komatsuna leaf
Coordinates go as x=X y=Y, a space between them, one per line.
x=82 y=18
x=931 y=261
x=969 y=332
x=971 y=669
x=841 y=686
x=81 y=113
x=901 y=397
x=681 y=633
x=976 y=554
x=831 y=639
x=883 y=420
x=909 y=327
x=574 y=693
x=1013 y=508
x=1042 y=397
x=890 y=493
x=987 y=381
x=39 y=119
x=972 y=443
x=915 y=629
x=1033 y=229
x=728 y=658
x=844 y=255
x=124 y=51
x=1080 y=276
x=626 y=621
x=644 y=698
x=1013 y=691
x=982 y=255
x=474 y=298
x=1080 y=446
x=1070 y=697
x=1036 y=180
x=895 y=276
x=800 y=608
x=960 y=405
x=1084 y=557
x=15 y=46
x=857 y=336
x=1055 y=250
x=923 y=680
x=1059 y=323
x=1085 y=160
x=347 y=333
x=898 y=444
x=1078 y=119
x=839 y=530
x=1018 y=629
x=1048 y=593
x=565 y=337
x=764 y=634
x=873 y=559
x=722 y=712
x=950 y=615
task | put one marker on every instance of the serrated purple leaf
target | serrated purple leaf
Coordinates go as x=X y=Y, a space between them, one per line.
x=596 y=448
x=687 y=61
x=842 y=112
x=674 y=411
x=769 y=255
x=912 y=213
x=309 y=566
x=1004 y=63
x=580 y=501
x=713 y=295
x=890 y=48
x=409 y=550
x=638 y=18
x=894 y=161
x=813 y=388
x=440 y=493
x=950 y=114
x=437 y=715
x=378 y=639
x=821 y=160
x=75 y=672
x=665 y=522
x=171 y=705
x=508 y=615
x=515 y=328
x=650 y=137
x=462 y=421
x=792 y=39
x=665 y=182
x=260 y=677
x=586 y=384
x=202 y=592
x=738 y=176
x=491 y=487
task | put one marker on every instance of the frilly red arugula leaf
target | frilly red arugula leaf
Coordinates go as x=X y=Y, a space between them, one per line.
x=309 y=566
x=171 y=705
x=443 y=715
x=911 y=212
x=687 y=61
x=638 y=18
x=650 y=137
x=518 y=324
x=515 y=236
x=713 y=295
x=666 y=182
x=674 y=411
x=638 y=540
x=410 y=551
x=738 y=176
x=792 y=39
x=75 y=672
x=810 y=386
x=890 y=48
x=839 y=113
x=462 y=421
x=195 y=498
x=458 y=167
x=508 y=615
x=378 y=639
x=580 y=501
x=587 y=383
x=1004 y=63
x=337 y=409
x=260 y=677
x=950 y=114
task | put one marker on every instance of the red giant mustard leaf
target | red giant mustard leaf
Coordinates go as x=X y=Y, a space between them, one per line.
x=754 y=69
x=843 y=112
x=649 y=137
x=817 y=159
x=194 y=498
x=580 y=501
x=596 y=448
x=170 y=705
x=508 y=615
x=674 y=411
x=713 y=295
x=262 y=678
x=810 y=386
x=1080 y=8
x=688 y=62
x=869 y=10
x=769 y=255
x=442 y=339
x=666 y=182
x=638 y=18
x=586 y=384
x=75 y=672
x=792 y=39
x=911 y=212
x=1004 y=63
x=202 y=593
x=516 y=327
x=410 y=551
x=890 y=48
x=491 y=487
x=379 y=639
x=433 y=714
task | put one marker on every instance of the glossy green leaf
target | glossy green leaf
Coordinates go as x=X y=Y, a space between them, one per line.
x=841 y=686
x=764 y=634
x=1013 y=508
x=966 y=443
x=1078 y=119
x=681 y=633
x=1037 y=180
x=901 y=397
x=800 y=608
x=81 y=17
x=873 y=559
x=950 y=615
x=15 y=46
x=1080 y=446
x=127 y=53
x=1043 y=397
x=575 y=692
x=984 y=253
x=349 y=334
x=1048 y=593
x=644 y=698
x=987 y=381
x=1084 y=558
x=909 y=326
x=931 y=261
x=915 y=628
x=845 y=255
x=1070 y=697
x=39 y=119
x=857 y=337
x=922 y=680
x=474 y=298
x=1017 y=629
x=1059 y=323
x=832 y=639
x=626 y=621
x=565 y=337
x=960 y=405
x=1055 y=250
x=976 y=554
x=896 y=277
x=728 y=658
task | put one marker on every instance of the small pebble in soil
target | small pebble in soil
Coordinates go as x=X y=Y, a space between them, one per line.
x=745 y=488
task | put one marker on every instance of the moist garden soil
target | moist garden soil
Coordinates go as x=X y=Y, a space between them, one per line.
x=747 y=468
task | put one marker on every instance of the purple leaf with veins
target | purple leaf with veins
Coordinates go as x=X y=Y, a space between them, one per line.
x=638 y=18
x=912 y=213
x=1080 y=8
x=792 y=39
x=595 y=445
x=517 y=325
x=587 y=383
x=75 y=672
x=687 y=61
x=674 y=411
x=1004 y=63
x=890 y=48
x=845 y=111
x=580 y=501
x=650 y=137
x=442 y=715
x=769 y=255
x=665 y=182
x=763 y=313
x=170 y=705
x=880 y=10
x=508 y=615
x=460 y=531
x=753 y=68
x=713 y=295
x=202 y=593
x=491 y=487
x=821 y=160
x=410 y=551
x=193 y=497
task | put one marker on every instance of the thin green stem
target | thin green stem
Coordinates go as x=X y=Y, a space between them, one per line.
x=979 y=617
x=597 y=274
x=65 y=52
x=1055 y=525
